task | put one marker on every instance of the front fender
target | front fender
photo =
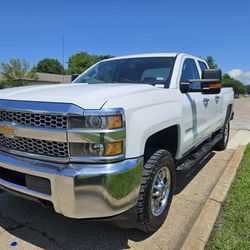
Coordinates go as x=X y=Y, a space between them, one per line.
x=144 y=122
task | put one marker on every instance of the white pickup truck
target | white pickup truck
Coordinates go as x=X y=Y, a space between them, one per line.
x=109 y=144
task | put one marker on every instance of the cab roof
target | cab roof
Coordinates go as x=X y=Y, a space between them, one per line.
x=152 y=55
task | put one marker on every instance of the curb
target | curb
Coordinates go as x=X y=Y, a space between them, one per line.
x=203 y=226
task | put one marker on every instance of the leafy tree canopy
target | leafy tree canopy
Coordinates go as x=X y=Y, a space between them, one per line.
x=248 y=88
x=15 y=69
x=16 y=73
x=81 y=61
x=49 y=65
x=211 y=62
x=228 y=81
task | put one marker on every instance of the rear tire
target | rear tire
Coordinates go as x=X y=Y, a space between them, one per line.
x=156 y=192
x=222 y=144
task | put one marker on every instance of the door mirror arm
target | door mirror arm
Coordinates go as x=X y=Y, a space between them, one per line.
x=209 y=84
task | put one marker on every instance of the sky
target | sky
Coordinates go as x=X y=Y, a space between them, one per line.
x=33 y=30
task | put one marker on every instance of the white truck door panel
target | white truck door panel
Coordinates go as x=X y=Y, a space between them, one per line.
x=219 y=109
x=214 y=105
x=196 y=109
x=211 y=111
x=194 y=120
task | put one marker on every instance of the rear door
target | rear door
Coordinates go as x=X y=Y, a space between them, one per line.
x=216 y=103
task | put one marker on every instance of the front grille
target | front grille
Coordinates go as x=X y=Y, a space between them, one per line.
x=33 y=119
x=40 y=147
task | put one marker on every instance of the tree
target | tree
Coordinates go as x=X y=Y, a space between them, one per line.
x=16 y=73
x=247 y=88
x=49 y=65
x=228 y=81
x=15 y=69
x=81 y=61
x=211 y=62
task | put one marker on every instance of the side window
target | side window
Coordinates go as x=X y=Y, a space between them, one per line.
x=189 y=70
x=203 y=66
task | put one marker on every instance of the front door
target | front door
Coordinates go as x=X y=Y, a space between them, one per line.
x=197 y=109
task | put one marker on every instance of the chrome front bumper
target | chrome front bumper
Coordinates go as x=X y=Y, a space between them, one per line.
x=80 y=190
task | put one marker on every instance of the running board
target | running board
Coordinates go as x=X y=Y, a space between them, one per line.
x=195 y=156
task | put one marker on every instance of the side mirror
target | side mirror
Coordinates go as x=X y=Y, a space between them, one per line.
x=209 y=84
x=211 y=81
x=74 y=76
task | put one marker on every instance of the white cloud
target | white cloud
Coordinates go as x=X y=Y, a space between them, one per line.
x=243 y=76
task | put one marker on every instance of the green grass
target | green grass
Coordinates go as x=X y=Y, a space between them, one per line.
x=232 y=229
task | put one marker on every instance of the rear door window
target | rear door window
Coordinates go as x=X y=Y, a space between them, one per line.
x=203 y=66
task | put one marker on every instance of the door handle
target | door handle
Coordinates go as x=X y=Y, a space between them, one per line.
x=217 y=98
x=206 y=100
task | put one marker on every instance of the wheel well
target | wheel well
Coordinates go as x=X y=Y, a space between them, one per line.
x=164 y=139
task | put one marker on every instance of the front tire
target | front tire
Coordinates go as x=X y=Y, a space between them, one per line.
x=156 y=192
x=222 y=144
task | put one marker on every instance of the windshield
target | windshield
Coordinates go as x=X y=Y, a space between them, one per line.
x=149 y=70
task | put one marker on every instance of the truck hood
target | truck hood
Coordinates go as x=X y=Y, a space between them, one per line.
x=87 y=96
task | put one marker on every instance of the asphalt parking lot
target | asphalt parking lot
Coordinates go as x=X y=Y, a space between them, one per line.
x=31 y=226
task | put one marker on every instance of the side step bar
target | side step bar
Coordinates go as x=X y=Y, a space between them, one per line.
x=195 y=156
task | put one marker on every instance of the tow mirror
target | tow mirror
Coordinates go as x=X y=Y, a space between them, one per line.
x=74 y=76
x=209 y=84
x=211 y=81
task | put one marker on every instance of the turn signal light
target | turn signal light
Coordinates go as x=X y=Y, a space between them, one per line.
x=215 y=85
x=115 y=121
x=114 y=148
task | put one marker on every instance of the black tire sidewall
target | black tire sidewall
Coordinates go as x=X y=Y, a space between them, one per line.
x=228 y=131
x=221 y=145
x=163 y=159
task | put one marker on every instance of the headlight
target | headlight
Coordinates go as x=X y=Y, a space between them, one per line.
x=96 y=149
x=97 y=135
x=96 y=122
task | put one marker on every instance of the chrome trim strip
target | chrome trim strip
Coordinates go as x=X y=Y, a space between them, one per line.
x=40 y=133
x=100 y=112
x=60 y=135
x=34 y=156
x=72 y=159
x=113 y=136
x=97 y=159
x=96 y=136
x=23 y=163
x=83 y=137
x=41 y=107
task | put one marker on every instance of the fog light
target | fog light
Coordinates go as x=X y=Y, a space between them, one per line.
x=114 y=148
x=86 y=149
x=94 y=149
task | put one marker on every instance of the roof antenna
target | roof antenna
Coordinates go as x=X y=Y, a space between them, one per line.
x=63 y=56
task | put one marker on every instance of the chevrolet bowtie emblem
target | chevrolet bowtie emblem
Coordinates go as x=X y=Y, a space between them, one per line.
x=7 y=130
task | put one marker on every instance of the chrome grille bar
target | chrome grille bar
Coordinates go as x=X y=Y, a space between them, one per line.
x=50 y=108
